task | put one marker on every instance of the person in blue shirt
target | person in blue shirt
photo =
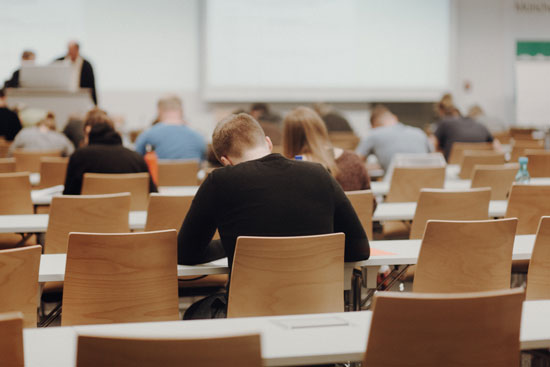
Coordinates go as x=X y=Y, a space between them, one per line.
x=170 y=137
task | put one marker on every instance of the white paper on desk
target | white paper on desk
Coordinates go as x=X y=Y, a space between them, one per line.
x=309 y=322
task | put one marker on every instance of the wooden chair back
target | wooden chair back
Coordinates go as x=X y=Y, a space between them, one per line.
x=522 y=133
x=458 y=148
x=53 y=171
x=434 y=204
x=15 y=193
x=19 y=282
x=503 y=137
x=178 y=172
x=29 y=161
x=472 y=157
x=498 y=177
x=85 y=213
x=520 y=147
x=435 y=330
x=538 y=162
x=137 y=184
x=538 y=276
x=11 y=334
x=344 y=139
x=287 y=275
x=232 y=351
x=166 y=212
x=453 y=252
x=528 y=203
x=363 y=204
x=7 y=165
x=4 y=148
x=123 y=277
x=406 y=182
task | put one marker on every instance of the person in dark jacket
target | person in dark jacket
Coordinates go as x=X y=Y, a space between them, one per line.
x=84 y=73
x=10 y=124
x=103 y=153
x=27 y=57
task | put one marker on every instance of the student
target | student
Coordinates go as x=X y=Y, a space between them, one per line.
x=102 y=153
x=305 y=134
x=258 y=193
x=43 y=136
x=10 y=124
x=389 y=137
x=170 y=137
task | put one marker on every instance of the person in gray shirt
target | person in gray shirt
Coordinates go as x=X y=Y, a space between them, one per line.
x=389 y=136
x=43 y=136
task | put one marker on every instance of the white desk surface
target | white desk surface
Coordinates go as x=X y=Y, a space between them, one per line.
x=281 y=345
x=396 y=252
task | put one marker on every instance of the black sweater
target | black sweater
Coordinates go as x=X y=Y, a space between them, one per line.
x=103 y=154
x=270 y=196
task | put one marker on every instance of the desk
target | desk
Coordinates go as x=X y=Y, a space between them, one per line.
x=281 y=346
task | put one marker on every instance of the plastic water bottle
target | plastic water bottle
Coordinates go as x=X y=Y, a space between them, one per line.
x=523 y=175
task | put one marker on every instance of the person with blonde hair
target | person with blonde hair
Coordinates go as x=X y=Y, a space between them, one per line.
x=305 y=134
x=43 y=136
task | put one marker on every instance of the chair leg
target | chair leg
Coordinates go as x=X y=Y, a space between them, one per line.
x=54 y=314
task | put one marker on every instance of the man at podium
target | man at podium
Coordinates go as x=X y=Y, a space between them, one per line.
x=82 y=69
x=27 y=57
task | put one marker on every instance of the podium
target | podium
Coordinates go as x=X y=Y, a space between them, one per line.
x=61 y=102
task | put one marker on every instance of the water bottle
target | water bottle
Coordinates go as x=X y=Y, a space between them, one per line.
x=523 y=175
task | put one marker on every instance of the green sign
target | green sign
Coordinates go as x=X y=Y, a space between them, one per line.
x=533 y=48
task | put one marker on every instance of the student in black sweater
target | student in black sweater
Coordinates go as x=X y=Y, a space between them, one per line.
x=262 y=194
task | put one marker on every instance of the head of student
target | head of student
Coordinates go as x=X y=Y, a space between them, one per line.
x=239 y=138
x=382 y=116
x=446 y=107
x=170 y=109
x=305 y=133
x=97 y=124
x=47 y=123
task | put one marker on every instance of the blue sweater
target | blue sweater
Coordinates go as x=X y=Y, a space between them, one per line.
x=172 y=142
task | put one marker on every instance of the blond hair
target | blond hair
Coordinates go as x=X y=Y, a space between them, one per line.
x=170 y=103
x=304 y=132
x=236 y=133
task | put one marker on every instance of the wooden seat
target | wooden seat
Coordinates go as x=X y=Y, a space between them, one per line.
x=457 y=149
x=19 y=282
x=11 y=334
x=137 y=184
x=287 y=275
x=498 y=177
x=344 y=139
x=436 y=204
x=538 y=277
x=85 y=213
x=433 y=330
x=15 y=193
x=29 y=161
x=472 y=157
x=363 y=204
x=407 y=182
x=539 y=163
x=7 y=165
x=178 y=172
x=232 y=351
x=123 y=277
x=53 y=171
x=528 y=203
x=465 y=256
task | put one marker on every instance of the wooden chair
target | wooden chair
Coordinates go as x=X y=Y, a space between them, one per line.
x=471 y=157
x=15 y=193
x=85 y=213
x=287 y=275
x=19 y=282
x=232 y=351
x=4 y=148
x=7 y=165
x=520 y=147
x=344 y=139
x=539 y=163
x=522 y=133
x=178 y=172
x=498 y=177
x=137 y=184
x=29 y=161
x=465 y=256
x=363 y=203
x=528 y=203
x=11 y=334
x=432 y=330
x=538 y=277
x=406 y=182
x=53 y=171
x=457 y=149
x=503 y=137
x=115 y=278
x=436 y=204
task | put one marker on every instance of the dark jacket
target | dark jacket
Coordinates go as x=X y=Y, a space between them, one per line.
x=270 y=196
x=14 y=81
x=87 y=79
x=103 y=154
x=10 y=124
